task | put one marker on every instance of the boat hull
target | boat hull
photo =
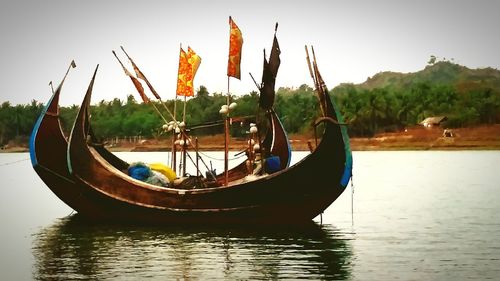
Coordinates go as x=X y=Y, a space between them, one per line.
x=49 y=152
x=293 y=195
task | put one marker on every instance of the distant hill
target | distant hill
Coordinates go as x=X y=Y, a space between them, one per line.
x=441 y=73
x=391 y=101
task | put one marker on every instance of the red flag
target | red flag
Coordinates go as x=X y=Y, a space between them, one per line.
x=140 y=89
x=141 y=75
x=235 y=45
x=137 y=84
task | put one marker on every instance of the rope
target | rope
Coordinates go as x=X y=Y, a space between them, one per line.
x=221 y=159
x=13 y=162
x=352 y=200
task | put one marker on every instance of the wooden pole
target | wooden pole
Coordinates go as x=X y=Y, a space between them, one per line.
x=226 y=139
x=173 y=152
x=226 y=151
x=51 y=87
x=158 y=111
x=315 y=136
x=197 y=157
x=261 y=149
x=250 y=154
x=310 y=146
x=175 y=102
x=184 y=113
x=184 y=145
x=256 y=85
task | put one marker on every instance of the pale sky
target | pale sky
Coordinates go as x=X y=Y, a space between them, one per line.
x=353 y=40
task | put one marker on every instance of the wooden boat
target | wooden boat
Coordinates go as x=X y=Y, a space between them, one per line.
x=293 y=195
x=48 y=153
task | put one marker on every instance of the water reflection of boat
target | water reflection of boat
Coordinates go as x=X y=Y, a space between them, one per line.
x=75 y=249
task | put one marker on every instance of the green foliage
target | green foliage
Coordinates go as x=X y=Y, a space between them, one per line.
x=297 y=108
x=388 y=101
x=432 y=60
x=16 y=122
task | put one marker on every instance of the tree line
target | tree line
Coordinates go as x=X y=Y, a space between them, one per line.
x=367 y=111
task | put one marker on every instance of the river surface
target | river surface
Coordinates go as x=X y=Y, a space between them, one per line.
x=418 y=215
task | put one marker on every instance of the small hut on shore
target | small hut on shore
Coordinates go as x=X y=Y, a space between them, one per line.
x=434 y=121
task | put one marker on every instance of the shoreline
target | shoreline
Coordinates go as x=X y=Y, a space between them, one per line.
x=417 y=138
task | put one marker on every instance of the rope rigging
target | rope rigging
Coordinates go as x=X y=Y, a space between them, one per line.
x=13 y=162
x=222 y=159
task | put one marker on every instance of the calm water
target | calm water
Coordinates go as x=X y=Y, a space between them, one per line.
x=417 y=216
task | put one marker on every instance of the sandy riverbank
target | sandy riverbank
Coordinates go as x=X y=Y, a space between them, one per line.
x=418 y=138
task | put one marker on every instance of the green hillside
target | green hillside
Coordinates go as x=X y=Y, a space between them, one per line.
x=390 y=100
x=440 y=73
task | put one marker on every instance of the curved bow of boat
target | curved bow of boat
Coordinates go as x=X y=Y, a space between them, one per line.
x=48 y=149
x=47 y=137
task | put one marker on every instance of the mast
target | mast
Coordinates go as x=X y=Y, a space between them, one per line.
x=233 y=70
x=174 y=147
x=226 y=138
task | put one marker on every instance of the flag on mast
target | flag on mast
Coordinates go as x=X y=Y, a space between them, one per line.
x=194 y=62
x=183 y=73
x=140 y=88
x=235 y=45
x=141 y=75
x=269 y=73
x=137 y=84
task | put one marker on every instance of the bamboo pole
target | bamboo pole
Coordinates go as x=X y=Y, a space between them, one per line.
x=197 y=157
x=184 y=113
x=51 y=87
x=256 y=85
x=174 y=152
x=184 y=146
x=226 y=139
x=315 y=80
x=261 y=149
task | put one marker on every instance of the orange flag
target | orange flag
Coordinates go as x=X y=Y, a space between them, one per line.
x=235 y=44
x=184 y=74
x=194 y=62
